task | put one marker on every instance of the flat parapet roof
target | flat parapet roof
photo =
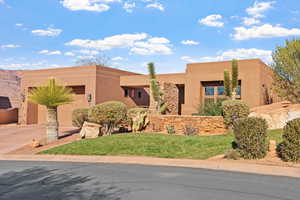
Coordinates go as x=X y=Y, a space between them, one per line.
x=143 y=80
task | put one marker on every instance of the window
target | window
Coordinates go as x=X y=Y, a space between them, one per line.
x=139 y=94
x=126 y=92
x=215 y=91
x=78 y=89
x=209 y=91
x=221 y=90
x=238 y=90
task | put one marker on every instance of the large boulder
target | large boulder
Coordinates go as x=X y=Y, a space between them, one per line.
x=90 y=130
x=277 y=114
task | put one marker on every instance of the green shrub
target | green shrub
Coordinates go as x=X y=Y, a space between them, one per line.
x=138 y=118
x=289 y=149
x=210 y=109
x=251 y=137
x=79 y=116
x=171 y=130
x=108 y=114
x=189 y=130
x=233 y=110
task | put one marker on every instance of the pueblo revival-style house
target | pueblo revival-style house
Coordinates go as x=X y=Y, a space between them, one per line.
x=200 y=82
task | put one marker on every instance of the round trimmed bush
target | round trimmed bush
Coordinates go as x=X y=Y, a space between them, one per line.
x=290 y=147
x=79 y=116
x=109 y=114
x=233 y=110
x=251 y=137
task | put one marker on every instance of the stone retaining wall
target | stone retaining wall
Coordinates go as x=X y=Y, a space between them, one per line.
x=205 y=125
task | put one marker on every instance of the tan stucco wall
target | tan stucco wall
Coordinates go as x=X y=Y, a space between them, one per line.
x=102 y=83
x=248 y=74
x=252 y=74
x=70 y=76
x=107 y=84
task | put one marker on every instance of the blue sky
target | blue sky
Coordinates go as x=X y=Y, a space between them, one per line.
x=38 y=34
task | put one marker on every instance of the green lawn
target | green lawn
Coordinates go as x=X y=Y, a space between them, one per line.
x=155 y=145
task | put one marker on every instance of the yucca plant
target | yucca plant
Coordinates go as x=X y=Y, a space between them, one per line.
x=156 y=92
x=231 y=85
x=51 y=95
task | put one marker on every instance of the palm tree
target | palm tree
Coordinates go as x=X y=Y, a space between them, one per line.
x=51 y=96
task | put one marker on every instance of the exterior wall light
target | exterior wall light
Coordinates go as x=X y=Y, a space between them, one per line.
x=89 y=98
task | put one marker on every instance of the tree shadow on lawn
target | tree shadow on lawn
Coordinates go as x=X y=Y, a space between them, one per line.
x=45 y=184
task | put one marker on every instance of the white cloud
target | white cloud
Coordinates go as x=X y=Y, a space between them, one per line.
x=88 y=5
x=156 y=5
x=264 y=31
x=212 y=20
x=248 y=21
x=33 y=65
x=117 y=58
x=9 y=46
x=259 y=8
x=88 y=52
x=51 y=32
x=47 y=52
x=189 y=59
x=149 y=48
x=108 y=43
x=159 y=40
x=139 y=43
x=84 y=57
x=69 y=53
x=128 y=7
x=242 y=53
x=189 y=42
x=2 y=1
x=19 y=25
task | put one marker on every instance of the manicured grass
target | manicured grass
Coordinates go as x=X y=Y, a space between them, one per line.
x=276 y=135
x=155 y=145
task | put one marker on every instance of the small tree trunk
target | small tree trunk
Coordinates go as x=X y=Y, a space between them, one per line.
x=52 y=125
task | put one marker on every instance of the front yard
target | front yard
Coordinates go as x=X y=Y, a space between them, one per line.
x=155 y=145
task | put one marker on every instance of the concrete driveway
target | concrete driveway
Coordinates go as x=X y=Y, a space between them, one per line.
x=51 y=180
x=13 y=137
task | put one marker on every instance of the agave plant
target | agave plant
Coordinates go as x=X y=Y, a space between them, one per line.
x=51 y=95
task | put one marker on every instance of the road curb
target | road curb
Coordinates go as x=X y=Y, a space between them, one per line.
x=234 y=166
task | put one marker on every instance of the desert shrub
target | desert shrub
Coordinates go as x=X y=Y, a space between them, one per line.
x=232 y=154
x=210 y=109
x=189 y=130
x=233 y=110
x=108 y=114
x=138 y=118
x=79 y=116
x=171 y=130
x=289 y=149
x=251 y=137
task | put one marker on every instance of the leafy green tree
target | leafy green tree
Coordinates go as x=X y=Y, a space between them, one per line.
x=51 y=95
x=286 y=66
x=157 y=94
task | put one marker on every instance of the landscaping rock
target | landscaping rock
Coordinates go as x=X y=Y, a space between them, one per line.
x=35 y=144
x=90 y=130
x=277 y=114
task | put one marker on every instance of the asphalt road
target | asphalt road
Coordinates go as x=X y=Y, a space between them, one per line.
x=64 y=181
